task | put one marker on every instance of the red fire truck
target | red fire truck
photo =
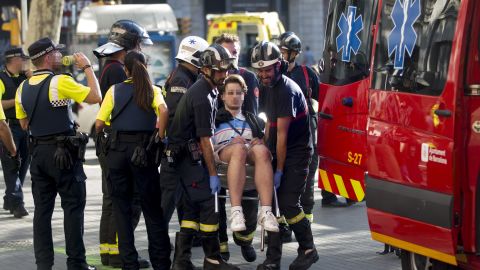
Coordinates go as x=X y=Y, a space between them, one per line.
x=400 y=121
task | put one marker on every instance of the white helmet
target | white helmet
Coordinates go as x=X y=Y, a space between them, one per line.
x=190 y=49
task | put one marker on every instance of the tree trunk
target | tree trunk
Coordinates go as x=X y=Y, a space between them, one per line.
x=45 y=20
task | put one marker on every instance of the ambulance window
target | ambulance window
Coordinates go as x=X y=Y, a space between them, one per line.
x=414 y=45
x=348 y=41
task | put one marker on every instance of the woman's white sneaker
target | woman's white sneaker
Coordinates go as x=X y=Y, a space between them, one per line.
x=268 y=221
x=237 y=222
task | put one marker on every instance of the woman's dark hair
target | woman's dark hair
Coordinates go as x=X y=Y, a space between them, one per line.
x=136 y=65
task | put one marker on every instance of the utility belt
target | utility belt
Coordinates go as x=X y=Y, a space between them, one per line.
x=177 y=152
x=69 y=148
x=148 y=145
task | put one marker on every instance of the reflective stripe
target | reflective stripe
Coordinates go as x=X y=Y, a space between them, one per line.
x=104 y=248
x=54 y=88
x=244 y=238
x=113 y=95
x=113 y=250
x=341 y=186
x=208 y=227
x=55 y=101
x=309 y=217
x=296 y=219
x=224 y=247
x=188 y=224
x=282 y=220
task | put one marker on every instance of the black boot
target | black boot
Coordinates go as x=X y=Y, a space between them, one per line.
x=304 y=260
x=213 y=260
x=303 y=233
x=224 y=251
x=274 y=252
x=183 y=252
x=248 y=253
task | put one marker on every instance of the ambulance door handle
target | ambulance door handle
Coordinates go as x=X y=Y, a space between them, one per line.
x=347 y=101
x=444 y=113
x=325 y=115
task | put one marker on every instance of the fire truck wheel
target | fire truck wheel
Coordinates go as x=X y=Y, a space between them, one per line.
x=413 y=261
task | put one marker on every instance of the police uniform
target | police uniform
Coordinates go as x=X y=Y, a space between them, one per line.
x=176 y=86
x=250 y=207
x=195 y=118
x=45 y=99
x=14 y=176
x=131 y=129
x=285 y=99
x=306 y=78
x=112 y=73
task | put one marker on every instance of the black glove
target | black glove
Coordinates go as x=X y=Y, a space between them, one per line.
x=139 y=157
x=62 y=158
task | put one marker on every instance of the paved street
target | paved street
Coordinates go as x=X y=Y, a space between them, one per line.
x=341 y=235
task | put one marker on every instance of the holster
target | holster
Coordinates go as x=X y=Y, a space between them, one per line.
x=139 y=156
x=102 y=143
x=78 y=144
x=155 y=148
x=173 y=153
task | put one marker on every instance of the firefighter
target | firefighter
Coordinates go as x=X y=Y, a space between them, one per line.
x=244 y=238
x=10 y=79
x=179 y=80
x=132 y=108
x=305 y=77
x=288 y=138
x=125 y=35
x=43 y=105
x=190 y=150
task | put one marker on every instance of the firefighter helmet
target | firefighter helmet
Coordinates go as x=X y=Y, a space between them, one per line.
x=217 y=57
x=265 y=54
x=190 y=50
x=291 y=42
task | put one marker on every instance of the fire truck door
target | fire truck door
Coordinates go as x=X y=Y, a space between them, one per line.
x=344 y=83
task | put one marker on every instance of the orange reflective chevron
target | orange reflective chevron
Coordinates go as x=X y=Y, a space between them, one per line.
x=335 y=183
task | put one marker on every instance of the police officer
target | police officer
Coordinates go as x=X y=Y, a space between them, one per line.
x=133 y=107
x=43 y=105
x=125 y=35
x=250 y=207
x=179 y=80
x=191 y=151
x=10 y=79
x=288 y=138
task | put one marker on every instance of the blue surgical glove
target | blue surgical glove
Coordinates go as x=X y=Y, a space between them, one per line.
x=277 y=179
x=215 y=184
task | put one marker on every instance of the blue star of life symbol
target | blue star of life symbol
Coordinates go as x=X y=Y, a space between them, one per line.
x=403 y=36
x=192 y=41
x=348 y=39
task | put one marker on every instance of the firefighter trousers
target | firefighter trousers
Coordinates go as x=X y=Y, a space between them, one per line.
x=291 y=188
x=124 y=178
x=197 y=202
x=250 y=210
x=307 y=200
x=171 y=191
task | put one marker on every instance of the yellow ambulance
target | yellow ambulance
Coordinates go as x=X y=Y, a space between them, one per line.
x=250 y=28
